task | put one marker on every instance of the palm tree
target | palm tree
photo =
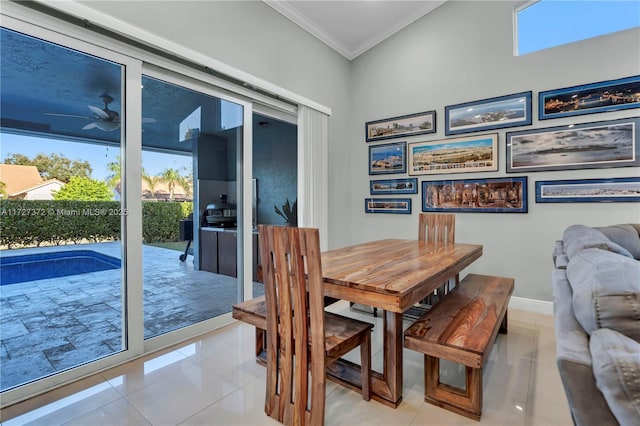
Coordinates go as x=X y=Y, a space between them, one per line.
x=172 y=177
x=152 y=182
x=115 y=177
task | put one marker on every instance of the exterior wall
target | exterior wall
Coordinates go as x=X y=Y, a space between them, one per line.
x=463 y=51
x=44 y=192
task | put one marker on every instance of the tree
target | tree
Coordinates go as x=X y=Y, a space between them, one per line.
x=172 y=177
x=3 y=190
x=84 y=189
x=54 y=166
x=115 y=176
x=152 y=182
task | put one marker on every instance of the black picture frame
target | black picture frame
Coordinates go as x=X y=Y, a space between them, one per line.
x=387 y=205
x=420 y=123
x=393 y=186
x=491 y=195
x=595 y=145
x=602 y=96
x=608 y=190
x=488 y=114
x=388 y=158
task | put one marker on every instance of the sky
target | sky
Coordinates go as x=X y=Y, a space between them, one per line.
x=97 y=155
x=555 y=22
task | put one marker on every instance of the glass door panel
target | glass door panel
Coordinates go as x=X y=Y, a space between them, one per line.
x=191 y=145
x=275 y=176
x=61 y=246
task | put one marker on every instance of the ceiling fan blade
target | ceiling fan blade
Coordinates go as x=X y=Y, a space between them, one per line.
x=68 y=115
x=99 y=113
x=90 y=126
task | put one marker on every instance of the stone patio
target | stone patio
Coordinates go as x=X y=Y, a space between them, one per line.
x=54 y=324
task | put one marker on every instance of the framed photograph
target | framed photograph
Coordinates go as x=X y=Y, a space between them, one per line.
x=493 y=195
x=387 y=205
x=596 y=145
x=458 y=155
x=400 y=127
x=588 y=190
x=591 y=98
x=488 y=114
x=388 y=158
x=394 y=186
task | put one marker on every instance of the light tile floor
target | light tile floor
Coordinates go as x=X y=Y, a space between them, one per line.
x=214 y=380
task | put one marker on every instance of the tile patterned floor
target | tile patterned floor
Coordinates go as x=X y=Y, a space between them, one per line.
x=214 y=380
x=53 y=324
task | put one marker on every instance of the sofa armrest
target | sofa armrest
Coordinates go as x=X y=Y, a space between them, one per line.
x=572 y=342
x=587 y=404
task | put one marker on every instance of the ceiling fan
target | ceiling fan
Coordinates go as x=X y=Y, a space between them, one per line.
x=103 y=118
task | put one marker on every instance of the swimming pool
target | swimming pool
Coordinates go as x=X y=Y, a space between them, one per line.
x=40 y=266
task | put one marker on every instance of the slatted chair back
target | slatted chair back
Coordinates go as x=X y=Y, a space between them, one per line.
x=437 y=227
x=296 y=380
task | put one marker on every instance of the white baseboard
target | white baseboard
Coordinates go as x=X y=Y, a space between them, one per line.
x=532 y=305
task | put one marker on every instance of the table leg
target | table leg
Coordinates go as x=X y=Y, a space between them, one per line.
x=391 y=384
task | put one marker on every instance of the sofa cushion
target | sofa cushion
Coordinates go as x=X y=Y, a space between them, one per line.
x=606 y=291
x=616 y=367
x=579 y=237
x=625 y=235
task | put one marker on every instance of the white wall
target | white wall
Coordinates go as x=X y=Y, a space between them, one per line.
x=463 y=52
x=460 y=52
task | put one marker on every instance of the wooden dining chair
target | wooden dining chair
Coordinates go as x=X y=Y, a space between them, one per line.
x=437 y=228
x=305 y=338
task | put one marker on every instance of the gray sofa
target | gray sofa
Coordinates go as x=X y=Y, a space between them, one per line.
x=596 y=302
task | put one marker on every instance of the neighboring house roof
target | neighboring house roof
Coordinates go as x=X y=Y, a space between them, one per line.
x=25 y=182
x=161 y=192
x=17 y=179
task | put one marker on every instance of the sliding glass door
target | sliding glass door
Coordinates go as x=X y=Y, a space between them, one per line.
x=62 y=211
x=191 y=152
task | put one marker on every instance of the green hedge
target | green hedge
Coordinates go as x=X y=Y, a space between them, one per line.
x=28 y=223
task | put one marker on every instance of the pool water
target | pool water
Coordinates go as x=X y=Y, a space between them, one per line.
x=40 y=266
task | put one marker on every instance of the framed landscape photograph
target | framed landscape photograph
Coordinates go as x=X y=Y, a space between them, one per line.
x=400 y=127
x=603 y=144
x=591 y=98
x=493 y=195
x=488 y=114
x=458 y=155
x=387 y=205
x=388 y=158
x=588 y=190
x=394 y=186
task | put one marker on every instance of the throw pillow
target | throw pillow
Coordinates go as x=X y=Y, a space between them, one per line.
x=606 y=290
x=579 y=237
x=616 y=367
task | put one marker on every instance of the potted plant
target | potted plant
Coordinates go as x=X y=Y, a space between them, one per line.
x=289 y=212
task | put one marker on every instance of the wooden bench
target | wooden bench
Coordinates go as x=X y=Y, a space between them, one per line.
x=461 y=328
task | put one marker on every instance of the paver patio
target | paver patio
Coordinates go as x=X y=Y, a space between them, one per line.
x=53 y=324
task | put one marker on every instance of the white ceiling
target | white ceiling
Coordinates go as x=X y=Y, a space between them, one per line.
x=352 y=27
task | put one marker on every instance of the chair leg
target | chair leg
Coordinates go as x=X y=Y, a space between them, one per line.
x=365 y=367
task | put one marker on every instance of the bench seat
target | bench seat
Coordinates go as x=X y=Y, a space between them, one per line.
x=461 y=328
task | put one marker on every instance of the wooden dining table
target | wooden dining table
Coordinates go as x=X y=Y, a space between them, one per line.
x=392 y=275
